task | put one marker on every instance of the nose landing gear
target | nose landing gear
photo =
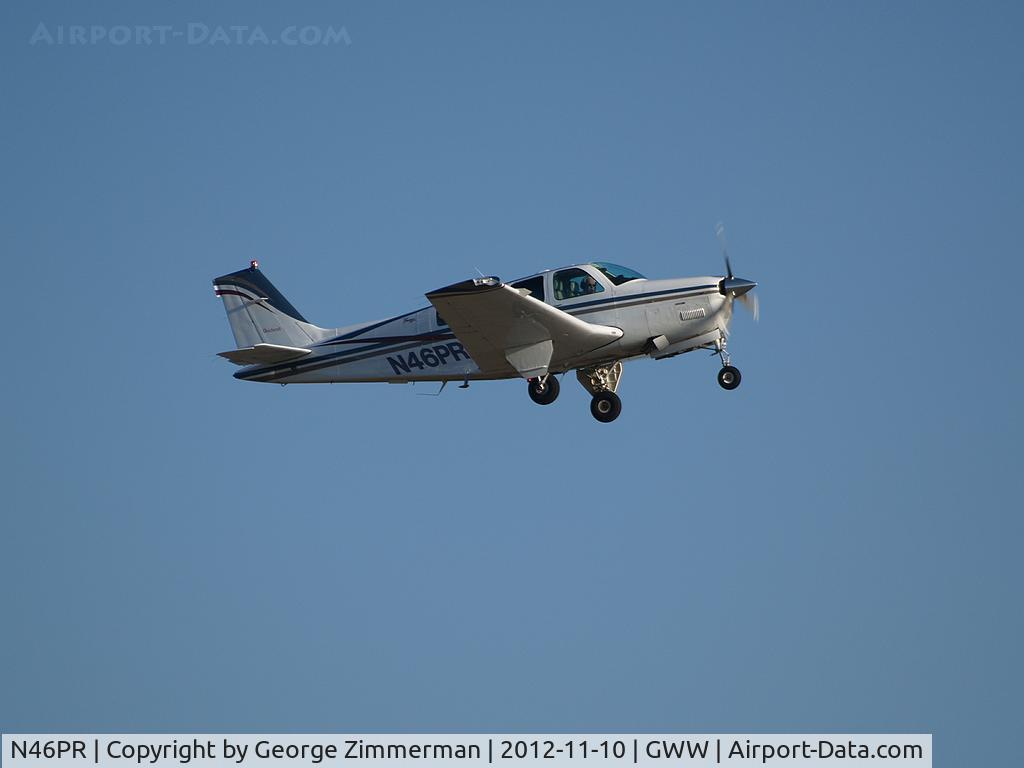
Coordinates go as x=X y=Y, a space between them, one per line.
x=729 y=376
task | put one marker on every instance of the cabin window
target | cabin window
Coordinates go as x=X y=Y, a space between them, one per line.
x=571 y=283
x=535 y=285
x=617 y=273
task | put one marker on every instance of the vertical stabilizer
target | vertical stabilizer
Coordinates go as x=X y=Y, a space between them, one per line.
x=259 y=313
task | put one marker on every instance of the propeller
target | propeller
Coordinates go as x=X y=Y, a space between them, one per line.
x=749 y=300
x=720 y=234
x=736 y=287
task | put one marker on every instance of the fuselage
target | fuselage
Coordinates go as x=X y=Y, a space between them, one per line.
x=658 y=318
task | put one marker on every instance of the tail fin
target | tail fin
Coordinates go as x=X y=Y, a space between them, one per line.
x=259 y=314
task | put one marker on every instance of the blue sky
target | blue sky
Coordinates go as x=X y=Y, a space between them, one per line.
x=832 y=547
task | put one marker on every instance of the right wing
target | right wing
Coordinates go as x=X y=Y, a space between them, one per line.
x=508 y=331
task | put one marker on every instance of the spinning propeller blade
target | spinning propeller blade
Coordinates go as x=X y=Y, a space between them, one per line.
x=736 y=287
x=720 y=234
x=749 y=300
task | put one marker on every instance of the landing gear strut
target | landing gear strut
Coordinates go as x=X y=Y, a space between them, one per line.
x=729 y=376
x=543 y=390
x=601 y=381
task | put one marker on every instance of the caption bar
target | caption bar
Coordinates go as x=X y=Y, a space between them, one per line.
x=468 y=750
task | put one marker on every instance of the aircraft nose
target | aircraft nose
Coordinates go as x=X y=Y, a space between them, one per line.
x=737 y=286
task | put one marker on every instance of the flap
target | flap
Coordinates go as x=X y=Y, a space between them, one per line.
x=532 y=360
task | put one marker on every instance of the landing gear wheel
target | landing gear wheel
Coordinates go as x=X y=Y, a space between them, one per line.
x=606 y=406
x=729 y=377
x=543 y=392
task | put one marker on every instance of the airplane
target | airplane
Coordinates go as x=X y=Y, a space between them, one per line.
x=588 y=318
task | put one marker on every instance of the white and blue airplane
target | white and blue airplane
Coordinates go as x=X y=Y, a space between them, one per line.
x=587 y=318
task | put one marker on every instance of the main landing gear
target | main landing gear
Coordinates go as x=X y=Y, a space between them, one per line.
x=602 y=381
x=543 y=390
x=729 y=375
x=605 y=406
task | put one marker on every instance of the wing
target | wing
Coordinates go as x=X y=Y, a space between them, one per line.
x=263 y=354
x=508 y=331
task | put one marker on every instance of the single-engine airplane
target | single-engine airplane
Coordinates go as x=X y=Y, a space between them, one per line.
x=587 y=318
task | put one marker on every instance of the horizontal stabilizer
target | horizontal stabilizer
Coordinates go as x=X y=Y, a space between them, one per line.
x=263 y=354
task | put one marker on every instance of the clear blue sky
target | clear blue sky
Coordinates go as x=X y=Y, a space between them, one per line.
x=835 y=546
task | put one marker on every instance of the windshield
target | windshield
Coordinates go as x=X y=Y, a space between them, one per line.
x=617 y=274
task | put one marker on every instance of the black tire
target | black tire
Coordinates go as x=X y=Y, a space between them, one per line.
x=729 y=377
x=606 y=406
x=543 y=392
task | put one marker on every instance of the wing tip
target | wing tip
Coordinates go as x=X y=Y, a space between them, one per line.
x=475 y=285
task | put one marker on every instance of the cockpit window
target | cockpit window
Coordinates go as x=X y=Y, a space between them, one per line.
x=570 y=283
x=535 y=285
x=616 y=273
